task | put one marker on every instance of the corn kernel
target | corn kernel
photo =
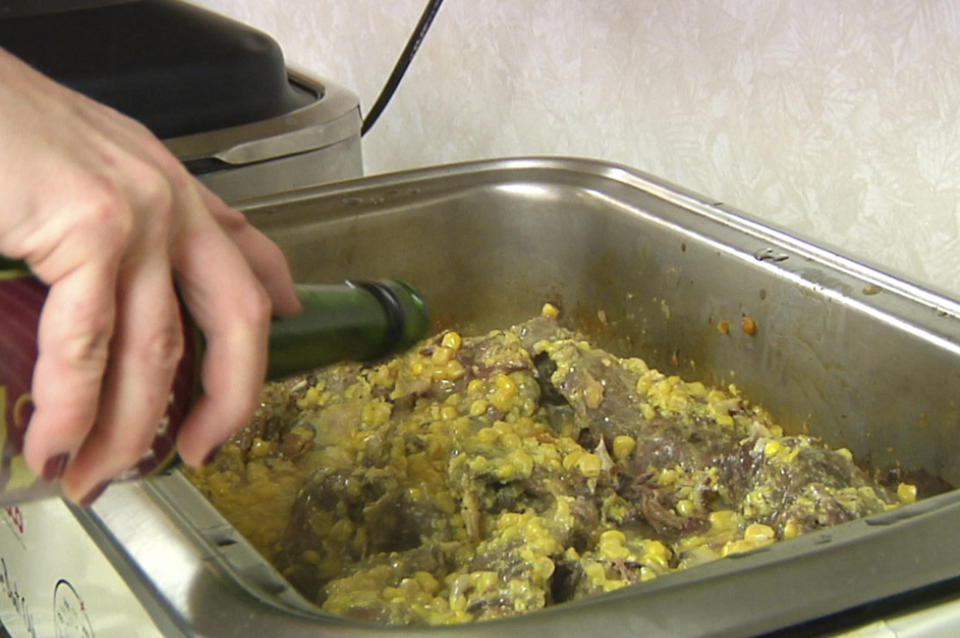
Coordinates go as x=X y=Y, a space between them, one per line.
x=260 y=448
x=677 y=401
x=549 y=310
x=613 y=536
x=458 y=603
x=543 y=567
x=592 y=392
x=907 y=493
x=502 y=400
x=667 y=476
x=656 y=552
x=685 y=507
x=589 y=465
x=772 y=448
x=623 y=446
x=572 y=458
x=758 y=534
x=507 y=471
x=736 y=547
x=510 y=441
x=614 y=551
x=612 y=585
x=478 y=407
x=723 y=520
x=522 y=462
x=451 y=340
x=487 y=435
x=697 y=389
x=392 y=594
x=644 y=383
x=844 y=452
x=441 y=355
x=791 y=530
x=596 y=573
x=528 y=407
x=484 y=580
x=505 y=383
x=476 y=386
x=454 y=370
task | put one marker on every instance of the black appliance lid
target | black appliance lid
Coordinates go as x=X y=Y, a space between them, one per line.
x=177 y=68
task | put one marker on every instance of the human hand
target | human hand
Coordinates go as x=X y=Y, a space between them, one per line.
x=111 y=221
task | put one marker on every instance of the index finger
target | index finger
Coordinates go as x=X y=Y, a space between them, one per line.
x=265 y=258
x=232 y=309
x=73 y=342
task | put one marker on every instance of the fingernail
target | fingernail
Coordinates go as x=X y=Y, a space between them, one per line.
x=93 y=494
x=54 y=467
x=211 y=455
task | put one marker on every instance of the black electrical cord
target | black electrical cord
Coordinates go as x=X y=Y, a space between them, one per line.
x=416 y=38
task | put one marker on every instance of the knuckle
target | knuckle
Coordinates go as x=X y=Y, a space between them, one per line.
x=167 y=167
x=163 y=347
x=108 y=214
x=229 y=218
x=173 y=169
x=156 y=196
x=256 y=308
x=87 y=347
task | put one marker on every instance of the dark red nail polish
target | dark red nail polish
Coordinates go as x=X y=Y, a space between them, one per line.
x=54 y=467
x=212 y=454
x=93 y=494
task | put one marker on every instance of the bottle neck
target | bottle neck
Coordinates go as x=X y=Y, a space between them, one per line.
x=355 y=321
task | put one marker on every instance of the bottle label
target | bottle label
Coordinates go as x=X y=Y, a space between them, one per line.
x=21 y=300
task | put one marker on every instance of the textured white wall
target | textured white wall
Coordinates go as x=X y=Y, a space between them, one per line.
x=839 y=121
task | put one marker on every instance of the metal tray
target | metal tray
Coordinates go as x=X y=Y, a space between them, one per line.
x=842 y=350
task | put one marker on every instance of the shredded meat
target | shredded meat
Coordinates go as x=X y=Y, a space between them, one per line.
x=476 y=478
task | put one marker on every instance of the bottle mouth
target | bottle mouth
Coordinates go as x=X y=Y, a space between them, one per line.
x=408 y=316
x=416 y=313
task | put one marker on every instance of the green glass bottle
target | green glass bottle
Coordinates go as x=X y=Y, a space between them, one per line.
x=357 y=320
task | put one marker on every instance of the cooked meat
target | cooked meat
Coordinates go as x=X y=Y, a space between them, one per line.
x=477 y=478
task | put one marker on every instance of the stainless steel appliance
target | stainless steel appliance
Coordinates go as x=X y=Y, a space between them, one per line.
x=316 y=143
x=843 y=350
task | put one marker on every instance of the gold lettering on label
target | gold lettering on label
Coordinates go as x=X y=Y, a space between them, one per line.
x=20 y=474
x=20 y=410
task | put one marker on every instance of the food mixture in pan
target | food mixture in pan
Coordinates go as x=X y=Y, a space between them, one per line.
x=477 y=478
